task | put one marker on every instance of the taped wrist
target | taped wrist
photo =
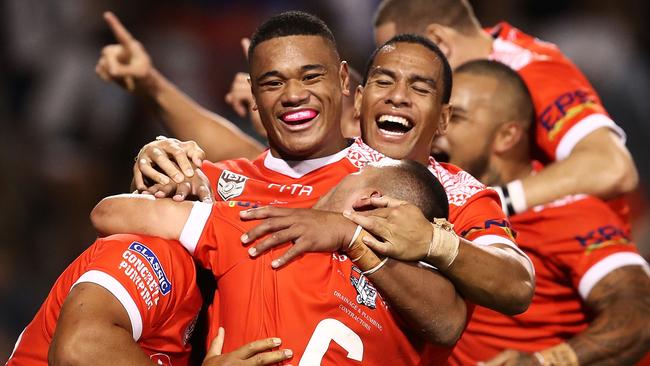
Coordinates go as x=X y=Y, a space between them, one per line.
x=359 y=253
x=443 y=248
x=513 y=198
x=562 y=354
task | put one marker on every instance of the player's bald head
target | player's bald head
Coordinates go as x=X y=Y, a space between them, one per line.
x=412 y=182
x=413 y=16
x=405 y=180
x=512 y=102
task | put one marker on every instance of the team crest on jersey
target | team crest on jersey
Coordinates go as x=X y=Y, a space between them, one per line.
x=231 y=185
x=366 y=292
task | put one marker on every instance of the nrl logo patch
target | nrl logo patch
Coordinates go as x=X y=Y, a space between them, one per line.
x=230 y=185
x=366 y=292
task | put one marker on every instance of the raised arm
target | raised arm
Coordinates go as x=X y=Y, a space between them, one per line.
x=94 y=329
x=601 y=148
x=128 y=64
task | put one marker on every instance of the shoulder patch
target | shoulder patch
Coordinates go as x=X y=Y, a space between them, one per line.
x=361 y=154
x=231 y=185
x=459 y=186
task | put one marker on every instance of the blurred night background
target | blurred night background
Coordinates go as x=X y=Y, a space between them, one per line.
x=68 y=139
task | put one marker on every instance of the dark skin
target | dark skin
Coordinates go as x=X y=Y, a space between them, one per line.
x=620 y=331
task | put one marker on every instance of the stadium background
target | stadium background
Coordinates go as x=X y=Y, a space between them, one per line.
x=68 y=139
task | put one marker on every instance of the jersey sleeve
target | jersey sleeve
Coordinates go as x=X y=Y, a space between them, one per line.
x=146 y=275
x=212 y=235
x=596 y=244
x=482 y=221
x=567 y=107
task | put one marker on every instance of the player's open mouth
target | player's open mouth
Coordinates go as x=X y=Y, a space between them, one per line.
x=392 y=125
x=299 y=118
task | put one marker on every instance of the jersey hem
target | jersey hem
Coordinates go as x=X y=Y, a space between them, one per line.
x=114 y=286
x=194 y=225
x=604 y=267
x=581 y=129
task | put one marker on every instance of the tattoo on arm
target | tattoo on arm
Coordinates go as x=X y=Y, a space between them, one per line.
x=619 y=333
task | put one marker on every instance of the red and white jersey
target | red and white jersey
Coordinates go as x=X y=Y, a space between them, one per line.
x=567 y=107
x=319 y=305
x=154 y=279
x=474 y=210
x=573 y=244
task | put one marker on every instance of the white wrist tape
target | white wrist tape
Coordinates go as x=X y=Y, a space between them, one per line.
x=444 y=245
x=513 y=198
x=375 y=268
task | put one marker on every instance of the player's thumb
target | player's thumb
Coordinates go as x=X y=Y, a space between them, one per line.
x=245 y=43
x=217 y=344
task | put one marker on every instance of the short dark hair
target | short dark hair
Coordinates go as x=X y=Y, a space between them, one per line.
x=512 y=88
x=290 y=23
x=424 y=42
x=416 y=15
x=413 y=182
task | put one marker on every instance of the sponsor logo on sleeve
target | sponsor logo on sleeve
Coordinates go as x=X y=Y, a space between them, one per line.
x=497 y=223
x=601 y=237
x=141 y=265
x=562 y=110
x=230 y=185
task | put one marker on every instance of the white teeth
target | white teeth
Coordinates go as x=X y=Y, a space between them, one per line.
x=393 y=133
x=395 y=119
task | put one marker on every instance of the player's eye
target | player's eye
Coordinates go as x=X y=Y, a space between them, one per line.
x=312 y=76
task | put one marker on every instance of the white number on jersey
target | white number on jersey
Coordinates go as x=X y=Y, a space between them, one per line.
x=331 y=330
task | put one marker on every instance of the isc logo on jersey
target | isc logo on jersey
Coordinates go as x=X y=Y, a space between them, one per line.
x=366 y=292
x=230 y=185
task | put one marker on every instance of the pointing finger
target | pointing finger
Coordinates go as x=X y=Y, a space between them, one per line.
x=121 y=33
x=245 y=43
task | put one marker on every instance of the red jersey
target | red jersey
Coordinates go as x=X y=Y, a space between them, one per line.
x=567 y=107
x=573 y=243
x=319 y=305
x=474 y=210
x=152 y=278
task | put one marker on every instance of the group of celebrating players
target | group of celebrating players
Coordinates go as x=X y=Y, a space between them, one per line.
x=346 y=241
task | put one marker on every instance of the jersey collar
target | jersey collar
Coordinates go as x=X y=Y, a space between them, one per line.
x=300 y=168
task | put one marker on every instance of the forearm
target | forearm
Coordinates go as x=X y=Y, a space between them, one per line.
x=187 y=120
x=599 y=165
x=95 y=344
x=140 y=214
x=425 y=300
x=620 y=332
x=492 y=276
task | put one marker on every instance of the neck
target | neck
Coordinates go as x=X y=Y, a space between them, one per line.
x=506 y=169
x=332 y=148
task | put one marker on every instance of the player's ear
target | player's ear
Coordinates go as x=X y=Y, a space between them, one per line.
x=509 y=135
x=358 y=96
x=442 y=36
x=344 y=74
x=250 y=83
x=443 y=122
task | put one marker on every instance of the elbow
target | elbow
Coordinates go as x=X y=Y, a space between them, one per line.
x=69 y=352
x=621 y=175
x=521 y=297
x=100 y=215
x=519 y=293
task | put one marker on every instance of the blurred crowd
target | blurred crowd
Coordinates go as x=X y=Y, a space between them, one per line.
x=68 y=139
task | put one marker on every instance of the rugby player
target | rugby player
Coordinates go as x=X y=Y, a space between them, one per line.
x=592 y=296
x=321 y=297
x=573 y=131
x=127 y=300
